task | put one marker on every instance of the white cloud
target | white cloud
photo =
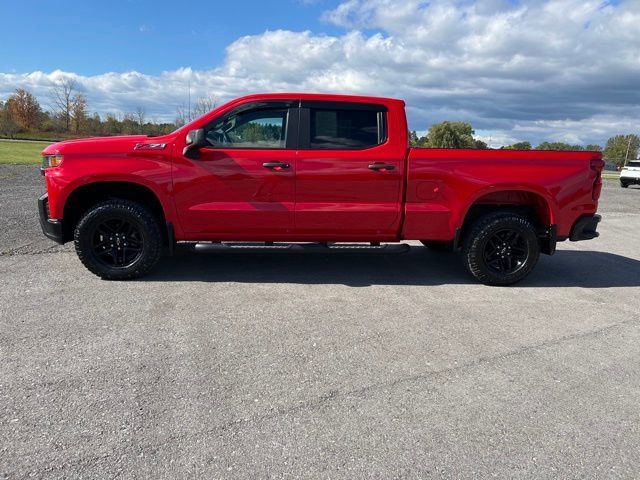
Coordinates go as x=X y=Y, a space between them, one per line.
x=529 y=70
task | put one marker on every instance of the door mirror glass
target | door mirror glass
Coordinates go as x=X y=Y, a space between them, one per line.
x=194 y=141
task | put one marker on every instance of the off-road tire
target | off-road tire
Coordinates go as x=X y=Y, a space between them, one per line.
x=125 y=210
x=476 y=241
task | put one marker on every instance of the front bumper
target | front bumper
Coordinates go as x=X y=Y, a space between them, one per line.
x=585 y=228
x=50 y=227
x=630 y=180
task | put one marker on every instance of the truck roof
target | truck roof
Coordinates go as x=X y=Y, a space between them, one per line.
x=330 y=97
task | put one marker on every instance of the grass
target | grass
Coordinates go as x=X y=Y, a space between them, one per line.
x=611 y=175
x=28 y=153
x=21 y=153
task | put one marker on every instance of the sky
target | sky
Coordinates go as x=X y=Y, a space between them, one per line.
x=517 y=70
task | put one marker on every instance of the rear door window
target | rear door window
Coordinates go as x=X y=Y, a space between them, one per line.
x=337 y=128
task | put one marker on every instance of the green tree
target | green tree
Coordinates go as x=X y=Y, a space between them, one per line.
x=451 y=135
x=558 y=146
x=413 y=138
x=621 y=147
x=480 y=145
x=47 y=123
x=8 y=128
x=111 y=125
x=592 y=147
x=93 y=125
x=518 y=146
x=130 y=125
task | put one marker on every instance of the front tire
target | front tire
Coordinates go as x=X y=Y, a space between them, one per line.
x=623 y=185
x=501 y=248
x=118 y=240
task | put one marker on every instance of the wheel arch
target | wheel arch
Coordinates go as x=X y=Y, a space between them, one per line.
x=534 y=205
x=85 y=196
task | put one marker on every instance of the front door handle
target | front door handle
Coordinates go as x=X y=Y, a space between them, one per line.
x=381 y=166
x=276 y=165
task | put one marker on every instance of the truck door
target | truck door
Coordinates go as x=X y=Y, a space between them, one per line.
x=348 y=177
x=242 y=186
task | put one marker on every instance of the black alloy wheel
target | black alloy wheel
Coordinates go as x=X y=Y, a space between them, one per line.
x=506 y=252
x=117 y=242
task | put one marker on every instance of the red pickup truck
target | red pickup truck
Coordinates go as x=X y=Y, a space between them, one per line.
x=301 y=168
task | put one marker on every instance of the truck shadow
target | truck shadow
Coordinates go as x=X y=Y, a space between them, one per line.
x=419 y=266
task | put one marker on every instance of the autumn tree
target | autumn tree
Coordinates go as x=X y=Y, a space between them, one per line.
x=24 y=109
x=78 y=112
x=621 y=148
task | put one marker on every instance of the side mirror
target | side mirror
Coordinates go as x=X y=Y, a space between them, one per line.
x=195 y=140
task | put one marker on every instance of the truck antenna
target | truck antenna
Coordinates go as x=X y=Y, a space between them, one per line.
x=189 y=114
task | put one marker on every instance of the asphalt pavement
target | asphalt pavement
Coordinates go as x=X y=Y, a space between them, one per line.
x=282 y=364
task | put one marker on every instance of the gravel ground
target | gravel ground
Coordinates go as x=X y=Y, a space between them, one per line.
x=314 y=365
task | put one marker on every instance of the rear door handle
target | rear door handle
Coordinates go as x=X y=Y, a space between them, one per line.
x=276 y=165
x=381 y=166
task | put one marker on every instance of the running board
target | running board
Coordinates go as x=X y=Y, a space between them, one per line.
x=307 y=247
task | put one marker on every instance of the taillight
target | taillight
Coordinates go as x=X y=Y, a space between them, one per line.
x=597 y=164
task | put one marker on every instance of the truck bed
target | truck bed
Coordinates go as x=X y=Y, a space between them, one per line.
x=442 y=184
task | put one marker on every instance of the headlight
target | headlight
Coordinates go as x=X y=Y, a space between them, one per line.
x=49 y=161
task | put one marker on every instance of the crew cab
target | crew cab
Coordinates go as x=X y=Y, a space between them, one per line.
x=306 y=168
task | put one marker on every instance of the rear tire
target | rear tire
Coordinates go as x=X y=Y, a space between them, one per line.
x=501 y=248
x=118 y=240
x=623 y=185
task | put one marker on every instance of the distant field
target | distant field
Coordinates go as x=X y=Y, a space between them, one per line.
x=23 y=153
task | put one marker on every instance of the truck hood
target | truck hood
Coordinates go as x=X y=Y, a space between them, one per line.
x=101 y=145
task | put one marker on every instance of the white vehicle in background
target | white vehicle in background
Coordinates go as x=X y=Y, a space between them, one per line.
x=630 y=174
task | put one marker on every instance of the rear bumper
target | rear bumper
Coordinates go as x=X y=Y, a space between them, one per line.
x=51 y=228
x=585 y=228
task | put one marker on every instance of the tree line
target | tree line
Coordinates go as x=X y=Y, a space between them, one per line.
x=617 y=150
x=21 y=115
